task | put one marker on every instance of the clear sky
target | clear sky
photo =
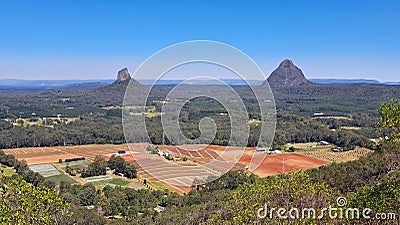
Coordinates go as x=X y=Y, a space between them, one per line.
x=60 y=39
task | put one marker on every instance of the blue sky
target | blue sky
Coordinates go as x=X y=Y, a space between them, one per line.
x=93 y=39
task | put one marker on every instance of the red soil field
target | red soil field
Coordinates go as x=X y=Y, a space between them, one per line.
x=273 y=164
x=178 y=151
x=212 y=153
x=223 y=148
x=195 y=154
x=202 y=151
x=39 y=155
x=216 y=147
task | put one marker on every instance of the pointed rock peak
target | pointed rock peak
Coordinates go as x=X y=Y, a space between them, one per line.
x=123 y=75
x=287 y=74
x=286 y=63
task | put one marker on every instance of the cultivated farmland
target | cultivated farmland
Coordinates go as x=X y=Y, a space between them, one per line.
x=203 y=161
x=330 y=156
x=41 y=155
x=45 y=170
x=62 y=177
x=275 y=164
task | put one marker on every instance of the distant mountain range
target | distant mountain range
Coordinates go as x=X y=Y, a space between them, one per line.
x=50 y=84
x=233 y=82
x=287 y=74
x=351 y=81
x=71 y=84
x=46 y=84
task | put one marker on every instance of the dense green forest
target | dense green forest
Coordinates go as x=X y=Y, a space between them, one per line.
x=102 y=129
x=354 y=105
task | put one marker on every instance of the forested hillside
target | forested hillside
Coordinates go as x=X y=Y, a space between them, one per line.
x=96 y=114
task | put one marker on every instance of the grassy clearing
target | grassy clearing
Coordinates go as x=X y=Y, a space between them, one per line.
x=153 y=114
x=116 y=181
x=310 y=146
x=254 y=122
x=133 y=107
x=100 y=184
x=158 y=186
x=40 y=122
x=77 y=167
x=8 y=171
x=333 y=117
x=97 y=179
x=119 y=182
x=62 y=177
x=350 y=128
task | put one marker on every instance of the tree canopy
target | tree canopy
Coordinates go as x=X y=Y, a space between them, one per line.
x=23 y=203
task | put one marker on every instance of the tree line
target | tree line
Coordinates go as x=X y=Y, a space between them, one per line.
x=116 y=163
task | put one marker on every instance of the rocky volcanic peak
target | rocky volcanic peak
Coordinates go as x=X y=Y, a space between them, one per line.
x=123 y=75
x=287 y=74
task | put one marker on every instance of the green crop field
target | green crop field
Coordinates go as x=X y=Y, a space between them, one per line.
x=62 y=177
x=119 y=182
x=158 y=186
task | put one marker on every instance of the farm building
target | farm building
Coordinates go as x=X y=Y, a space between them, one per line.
x=274 y=151
x=261 y=150
x=121 y=152
x=337 y=149
x=324 y=143
x=165 y=153
x=159 y=209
